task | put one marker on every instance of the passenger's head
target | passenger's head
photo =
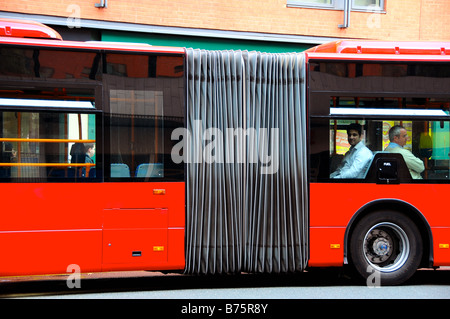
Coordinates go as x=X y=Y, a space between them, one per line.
x=398 y=135
x=354 y=132
x=90 y=149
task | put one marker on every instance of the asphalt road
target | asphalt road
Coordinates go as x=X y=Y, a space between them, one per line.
x=319 y=284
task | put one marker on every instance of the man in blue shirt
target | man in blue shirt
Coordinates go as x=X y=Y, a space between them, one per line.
x=357 y=159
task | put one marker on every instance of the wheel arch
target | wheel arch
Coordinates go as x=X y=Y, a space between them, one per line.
x=400 y=206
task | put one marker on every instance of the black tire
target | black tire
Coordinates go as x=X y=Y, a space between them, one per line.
x=386 y=248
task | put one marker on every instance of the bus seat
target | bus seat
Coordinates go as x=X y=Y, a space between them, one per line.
x=388 y=168
x=92 y=172
x=150 y=170
x=335 y=161
x=120 y=170
x=369 y=167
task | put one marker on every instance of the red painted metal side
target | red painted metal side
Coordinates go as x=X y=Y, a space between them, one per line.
x=383 y=47
x=92 y=45
x=333 y=205
x=108 y=226
x=356 y=50
x=31 y=33
x=27 y=29
x=46 y=227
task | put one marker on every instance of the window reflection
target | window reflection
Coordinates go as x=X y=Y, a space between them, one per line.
x=146 y=103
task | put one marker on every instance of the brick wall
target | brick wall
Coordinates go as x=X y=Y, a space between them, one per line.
x=403 y=20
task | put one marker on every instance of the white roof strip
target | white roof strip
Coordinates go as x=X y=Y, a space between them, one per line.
x=46 y=103
x=387 y=112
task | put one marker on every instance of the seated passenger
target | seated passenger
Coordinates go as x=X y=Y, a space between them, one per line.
x=357 y=159
x=77 y=152
x=398 y=137
x=90 y=152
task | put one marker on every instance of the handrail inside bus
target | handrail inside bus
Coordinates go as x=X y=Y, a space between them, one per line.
x=87 y=166
x=47 y=164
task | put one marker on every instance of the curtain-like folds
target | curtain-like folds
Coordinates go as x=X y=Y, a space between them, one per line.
x=246 y=163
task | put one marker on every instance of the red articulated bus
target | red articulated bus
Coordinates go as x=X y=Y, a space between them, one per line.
x=120 y=156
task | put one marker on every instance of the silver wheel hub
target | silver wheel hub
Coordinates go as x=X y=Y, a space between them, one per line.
x=386 y=247
x=381 y=247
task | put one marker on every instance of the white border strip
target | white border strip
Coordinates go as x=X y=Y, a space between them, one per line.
x=387 y=112
x=46 y=103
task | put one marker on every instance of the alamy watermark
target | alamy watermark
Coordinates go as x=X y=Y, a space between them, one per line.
x=74 y=18
x=74 y=279
x=374 y=19
x=374 y=279
x=233 y=145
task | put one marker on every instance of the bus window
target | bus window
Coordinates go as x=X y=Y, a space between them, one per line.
x=350 y=157
x=137 y=133
x=425 y=147
x=49 y=64
x=39 y=146
x=146 y=94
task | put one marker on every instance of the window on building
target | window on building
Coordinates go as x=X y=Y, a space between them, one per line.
x=357 y=5
x=368 y=4
x=330 y=4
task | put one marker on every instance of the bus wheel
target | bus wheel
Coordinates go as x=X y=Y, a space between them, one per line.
x=386 y=248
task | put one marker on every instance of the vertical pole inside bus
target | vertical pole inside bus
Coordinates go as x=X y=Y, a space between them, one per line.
x=19 y=144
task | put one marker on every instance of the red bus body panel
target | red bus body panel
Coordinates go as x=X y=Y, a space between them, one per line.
x=46 y=227
x=329 y=218
x=381 y=51
x=344 y=47
x=333 y=205
x=97 y=226
x=27 y=29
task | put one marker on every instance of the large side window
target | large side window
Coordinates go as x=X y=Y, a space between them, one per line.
x=49 y=131
x=359 y=131
x=40 y=145
x=59 y=65
x=146 y=94
x=137 y=133
x=50 y=114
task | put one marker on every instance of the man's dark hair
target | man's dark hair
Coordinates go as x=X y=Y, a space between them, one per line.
x=87 y=146
x=355 y=126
